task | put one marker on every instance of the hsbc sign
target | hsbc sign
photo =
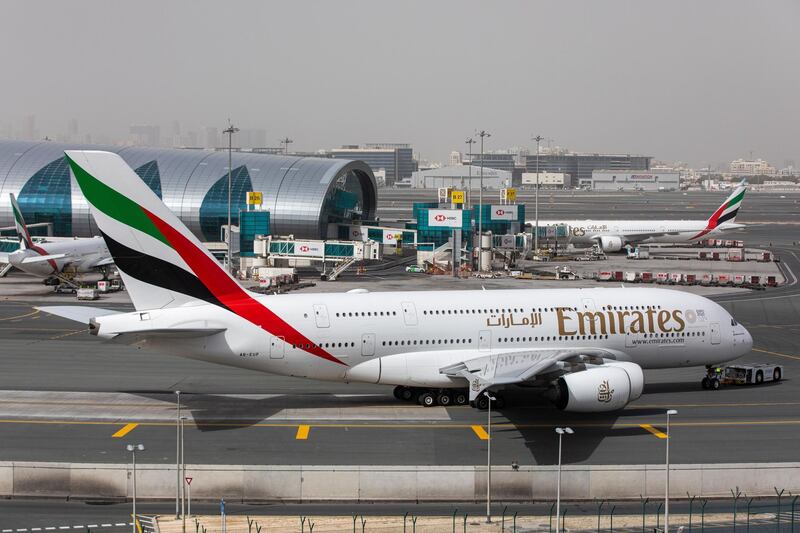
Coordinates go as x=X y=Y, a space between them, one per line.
x=504 y=212
x=310 y=249
x=445 y=218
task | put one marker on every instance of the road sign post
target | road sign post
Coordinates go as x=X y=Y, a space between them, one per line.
x=189 y=495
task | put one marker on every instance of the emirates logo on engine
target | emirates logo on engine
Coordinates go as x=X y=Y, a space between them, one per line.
x=604 y=392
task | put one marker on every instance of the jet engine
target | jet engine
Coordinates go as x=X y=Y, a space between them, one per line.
x=610 y=243
x=606 y=387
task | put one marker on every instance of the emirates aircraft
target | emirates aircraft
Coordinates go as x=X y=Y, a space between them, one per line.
x=583 y=348
x=75 y=260
x=613 y=235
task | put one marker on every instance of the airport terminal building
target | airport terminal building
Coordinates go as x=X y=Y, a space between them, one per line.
x=307 y=197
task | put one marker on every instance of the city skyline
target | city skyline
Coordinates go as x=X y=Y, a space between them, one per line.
x=632 y=78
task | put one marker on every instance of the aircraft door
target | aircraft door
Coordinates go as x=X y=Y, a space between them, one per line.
x=321 y=316
x=485 y=340
x=368 y=344
x=715 y=334
x=409 y=313
x=276 y=347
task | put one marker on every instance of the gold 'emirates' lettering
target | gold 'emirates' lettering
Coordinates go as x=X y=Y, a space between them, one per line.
x=605 y=322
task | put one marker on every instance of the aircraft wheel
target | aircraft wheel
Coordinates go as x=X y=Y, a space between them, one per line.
x=407 y=394
x=706 y=383
x=482 y=402
x=460 y=398
x=427 y=399
x=398 y=392
x=715 y=384
x=444 y=399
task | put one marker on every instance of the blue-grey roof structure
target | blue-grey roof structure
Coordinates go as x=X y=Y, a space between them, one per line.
x=307 y=197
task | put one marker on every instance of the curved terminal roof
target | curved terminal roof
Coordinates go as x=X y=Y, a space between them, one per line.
x=306 y=196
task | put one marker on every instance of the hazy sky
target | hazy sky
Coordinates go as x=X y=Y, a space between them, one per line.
x=696 y=80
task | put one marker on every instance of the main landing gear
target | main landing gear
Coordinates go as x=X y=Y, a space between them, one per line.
x=445 y=397
x=432 y=397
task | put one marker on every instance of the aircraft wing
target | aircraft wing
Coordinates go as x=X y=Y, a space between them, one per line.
x=104 y=262
x=3 y=257
x=523 y=367
x=41 y=258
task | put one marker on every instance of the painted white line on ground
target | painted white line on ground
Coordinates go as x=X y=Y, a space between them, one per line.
x=77 y=527
x=36 y=529
x=92 y=525
x=49 y=528
x=121 y=524
x=63 y=527
x=8 y=531
x=21 y=530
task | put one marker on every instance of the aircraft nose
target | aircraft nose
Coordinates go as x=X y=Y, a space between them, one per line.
x=748 y=340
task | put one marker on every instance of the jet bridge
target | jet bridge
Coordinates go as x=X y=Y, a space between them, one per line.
x=334 y=256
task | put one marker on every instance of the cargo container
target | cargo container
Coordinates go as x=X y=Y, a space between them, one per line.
x=754 y=280
x=675 y=277
x=738 y=244
x=103 y=286
x=772 y=281
x=647 y=277
x=702 y=255
x=738 y=279
x=604 y=276
x=766 y=257
x=715 y=256
x=728 y=243
x=662 y=277
x=710 y=242
x=631 y=277
x=691 y=279
x=724 y=279
x=87 y=294
x=618 y=275
x=706 y=279
x=735 y=254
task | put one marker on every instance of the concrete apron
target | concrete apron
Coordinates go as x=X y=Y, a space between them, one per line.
x=262 y=483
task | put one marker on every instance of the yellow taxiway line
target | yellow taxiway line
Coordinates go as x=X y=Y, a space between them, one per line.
x=124 y=430
x=786 y=355
x=302 y=432
x=653 y=430
x=480 y=432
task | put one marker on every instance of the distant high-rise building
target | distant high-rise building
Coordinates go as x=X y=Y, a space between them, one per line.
x=28 y=130
x=144 y=135
x=72 y=130
x=209 y=137
x=751 y=167
x=395 y=158
x=454 y=159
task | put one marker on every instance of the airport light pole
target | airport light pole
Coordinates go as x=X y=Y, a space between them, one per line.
x=231 y=129
x=670 y=412
x=560 y=432
x=538 y=140
x=482 y=134
x=469 y=143
x=286 y=141
x=183 y=476
x=133 y=448
x=178 y=455
x=489 y=459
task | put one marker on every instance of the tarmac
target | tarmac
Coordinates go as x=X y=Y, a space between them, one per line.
x=66 y=396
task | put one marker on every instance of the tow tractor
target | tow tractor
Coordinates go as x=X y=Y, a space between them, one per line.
x=742 y=374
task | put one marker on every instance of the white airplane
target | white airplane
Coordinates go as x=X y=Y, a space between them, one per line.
x=613 y=235
x=583 y=348
x=77 y=260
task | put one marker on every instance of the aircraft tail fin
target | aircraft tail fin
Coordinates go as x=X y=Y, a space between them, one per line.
x=730 y=207
x=22 y=229
x=162 y=263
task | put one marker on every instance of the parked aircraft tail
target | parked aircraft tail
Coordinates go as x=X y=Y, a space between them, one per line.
x=19 y=222
x=730 y=207
x=162 y=263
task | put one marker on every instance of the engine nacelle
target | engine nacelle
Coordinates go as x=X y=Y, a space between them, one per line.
x=610 y=243
x=608 y=387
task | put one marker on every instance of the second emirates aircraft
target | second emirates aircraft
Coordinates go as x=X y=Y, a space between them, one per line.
x=583 y=348
x=613 y=235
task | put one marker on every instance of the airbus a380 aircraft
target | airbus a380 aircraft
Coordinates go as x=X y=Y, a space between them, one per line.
x=585 y=347
x=69 y=260
x=613 y=235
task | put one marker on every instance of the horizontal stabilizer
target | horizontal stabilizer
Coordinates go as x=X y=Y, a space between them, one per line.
x=105 y=261
x=78 y=313
x=130 y=337
x=41 y=258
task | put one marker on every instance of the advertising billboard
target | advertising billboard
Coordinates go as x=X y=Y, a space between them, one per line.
x=504 y=212
x=445 y=218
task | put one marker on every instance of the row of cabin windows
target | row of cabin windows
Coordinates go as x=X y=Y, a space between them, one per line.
x=350 y=314
x=426 y=342
x=421 y=342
